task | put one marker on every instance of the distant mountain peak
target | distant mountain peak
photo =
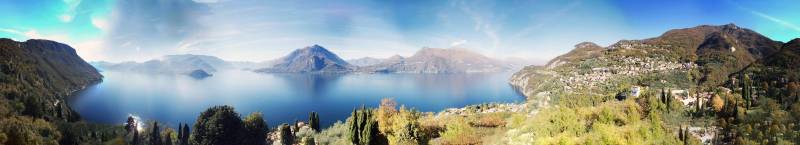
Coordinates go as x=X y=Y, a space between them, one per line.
x=396 y=56
x=313 y=58
x=439 y=60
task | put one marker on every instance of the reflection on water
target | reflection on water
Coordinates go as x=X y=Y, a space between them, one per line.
x=313 y=84
x=281 y=97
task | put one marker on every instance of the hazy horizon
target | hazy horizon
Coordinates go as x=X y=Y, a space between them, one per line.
x=251 y=30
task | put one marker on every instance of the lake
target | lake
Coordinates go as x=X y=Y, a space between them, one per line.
x=282 y=98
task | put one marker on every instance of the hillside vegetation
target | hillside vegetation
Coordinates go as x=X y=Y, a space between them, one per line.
x=701 y=85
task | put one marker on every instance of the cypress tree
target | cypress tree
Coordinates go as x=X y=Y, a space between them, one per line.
x=136 y=138
x=155 y=135
x=185 y=138
x=669 y=97
x=313 y=121
x=180 y=133
x=364 y=128
x=746 y=89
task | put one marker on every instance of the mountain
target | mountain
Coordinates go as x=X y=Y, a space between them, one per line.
x=438 y=60
x=716 y=51
x=787 y=58
x=171 y=64
x=581 y=51
x=39 y=74
x=310 y=59
x=720 y=50
x=370 y=61
x=365 y=61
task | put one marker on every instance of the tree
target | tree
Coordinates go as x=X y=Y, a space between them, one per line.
x=219 y=125
x=717 y=103
x=24 y=130
x=386 y=110
x=285 y=133
x=167 y=136
x=406 y=129
x=793 y=91
x=130 y=125
x=155 y=135
x=255 y=129
x=747 y=89
x=132 y=130
x=183 y=139
x=313 y=121
x=364 y=128
x=180 y=134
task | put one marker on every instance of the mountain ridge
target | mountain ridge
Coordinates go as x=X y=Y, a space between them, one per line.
x=183 y=64
x=439 y=60
x=43 y=72
x=310 y=59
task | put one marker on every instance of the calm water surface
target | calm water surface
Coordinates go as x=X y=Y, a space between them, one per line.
x=282 y=98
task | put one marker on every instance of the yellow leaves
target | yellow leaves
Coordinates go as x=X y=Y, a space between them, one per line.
x=459 y=132
x=606 y=123
x=717 y=103
x=490 y=120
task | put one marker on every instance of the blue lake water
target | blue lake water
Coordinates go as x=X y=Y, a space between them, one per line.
x=282 y=98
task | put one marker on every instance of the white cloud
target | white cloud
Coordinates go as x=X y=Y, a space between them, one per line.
x=776 y=20
x=781 y=22
x=458 y=43
x=90 y=49
x=101 y=23
x=482 y=25
x=33 y=34
x=69 y=14
x=12 y=31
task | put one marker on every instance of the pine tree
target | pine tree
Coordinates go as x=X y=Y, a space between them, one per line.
x=131 y=127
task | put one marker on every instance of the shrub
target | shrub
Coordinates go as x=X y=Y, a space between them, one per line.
x=459 y=132
x=255 y=129
x=337 y=134
x=491 y=120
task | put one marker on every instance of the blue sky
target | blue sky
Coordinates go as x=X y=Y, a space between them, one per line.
x=257 y=30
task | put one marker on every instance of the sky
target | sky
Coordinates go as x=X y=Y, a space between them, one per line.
x=259 y=30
